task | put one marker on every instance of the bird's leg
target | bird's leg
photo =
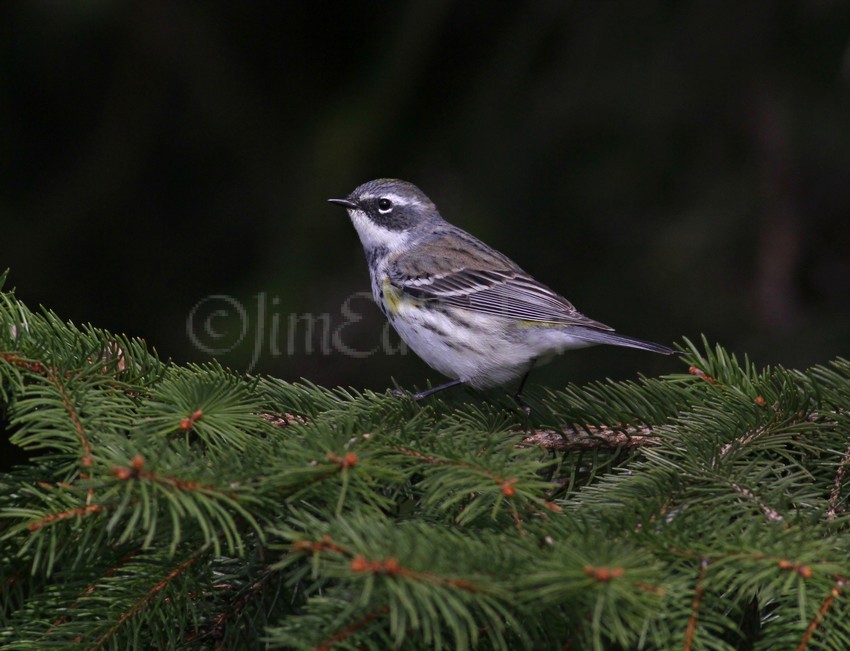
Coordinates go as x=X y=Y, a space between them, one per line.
x=433 y=390
x=518 y=395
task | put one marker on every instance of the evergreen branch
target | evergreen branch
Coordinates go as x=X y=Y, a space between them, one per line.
x=506 y=485
x=772 y=514
x=349 y=630
x=452 y=480
x=135 y=471
x=391 y=567
x=283 y=420
x=48 y=506
x=54 y=377
x=835 y=495
x=89 y=589
x=400 y=567
x=698 y=372
x=318 y=546
x=588 y=437
x=32 y=366
x=835 y=592
x=145 y=599
x=592 y=437
x=80 y=512
x=210 y=506
x=73 y=414
x=691 y=629
x=213 y=406
x=701 y=509
x=217 y=623
x=360 y=564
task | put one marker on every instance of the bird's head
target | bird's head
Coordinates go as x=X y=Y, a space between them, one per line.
x=387 y=212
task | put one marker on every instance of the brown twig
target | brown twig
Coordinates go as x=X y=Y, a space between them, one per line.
x=840 y=584
x=593 y=437
x=136 y=471
x=569 y=438
x=148 y=597
x=73 y=414
x=691 y=629
x=835 y=496
x=336 y=638
x=391 y=567
x=698 y=372
x=80 y=512
x=772 y=514
x=283 y=420
x=214 y=629
x=92 y=587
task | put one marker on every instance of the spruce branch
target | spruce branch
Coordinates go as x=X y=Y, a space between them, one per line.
x=770 y=513
x=840 y=585
x=567 y=439
x=351 y=629
x=700 y=509
x=591 y=437
x=145 y=599
x=690 y=630
x=835 y=506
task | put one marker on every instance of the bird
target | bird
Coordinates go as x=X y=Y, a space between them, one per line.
x=467 y=310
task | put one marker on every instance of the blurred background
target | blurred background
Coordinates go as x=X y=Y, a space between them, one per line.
x=673 y=168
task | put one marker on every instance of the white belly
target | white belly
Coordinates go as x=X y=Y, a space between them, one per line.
x=479 y=349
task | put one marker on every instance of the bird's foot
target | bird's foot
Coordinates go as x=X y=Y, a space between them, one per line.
x=522 y=404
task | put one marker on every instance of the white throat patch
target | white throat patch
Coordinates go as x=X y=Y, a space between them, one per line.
x=373 y=236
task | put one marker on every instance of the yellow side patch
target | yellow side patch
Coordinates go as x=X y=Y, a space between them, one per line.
x=392 y=296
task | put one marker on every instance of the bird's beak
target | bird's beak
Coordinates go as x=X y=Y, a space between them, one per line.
x=343 y=202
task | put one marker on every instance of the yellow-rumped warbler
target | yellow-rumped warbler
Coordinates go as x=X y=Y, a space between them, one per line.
x=467 y=310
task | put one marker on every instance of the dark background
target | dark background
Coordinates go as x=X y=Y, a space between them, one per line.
x=674 y=168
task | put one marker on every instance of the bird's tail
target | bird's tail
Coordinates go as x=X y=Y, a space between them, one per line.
x=592 y=335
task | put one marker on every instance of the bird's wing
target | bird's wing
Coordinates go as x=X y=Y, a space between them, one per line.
x=495 y=286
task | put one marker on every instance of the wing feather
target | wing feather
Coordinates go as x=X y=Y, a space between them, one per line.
x=497 y=287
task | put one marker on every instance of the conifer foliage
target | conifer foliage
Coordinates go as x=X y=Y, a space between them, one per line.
x=169 y=507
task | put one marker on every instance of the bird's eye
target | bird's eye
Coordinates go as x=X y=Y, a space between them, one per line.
x=384 y=205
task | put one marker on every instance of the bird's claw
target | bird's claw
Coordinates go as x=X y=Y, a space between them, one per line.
x=522 y=404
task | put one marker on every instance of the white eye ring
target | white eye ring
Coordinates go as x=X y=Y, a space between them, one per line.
x=384 y=205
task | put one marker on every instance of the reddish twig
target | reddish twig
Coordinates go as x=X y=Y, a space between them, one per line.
x=318 y=546
x=215 y=628
x=91 y=588
x=507 y=485
x=147 y=598
x=834 y=593
x=789 y=566
x=32 y=366
x=691 y=629
x=80 y=512
x=189 y=422
x=698 y=372
x=345 y=633
x=53 y=376
x=603 y=574
x=135 y=471
x=391 y=567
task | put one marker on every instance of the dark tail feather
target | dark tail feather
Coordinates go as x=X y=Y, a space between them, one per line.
x=613 y=339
